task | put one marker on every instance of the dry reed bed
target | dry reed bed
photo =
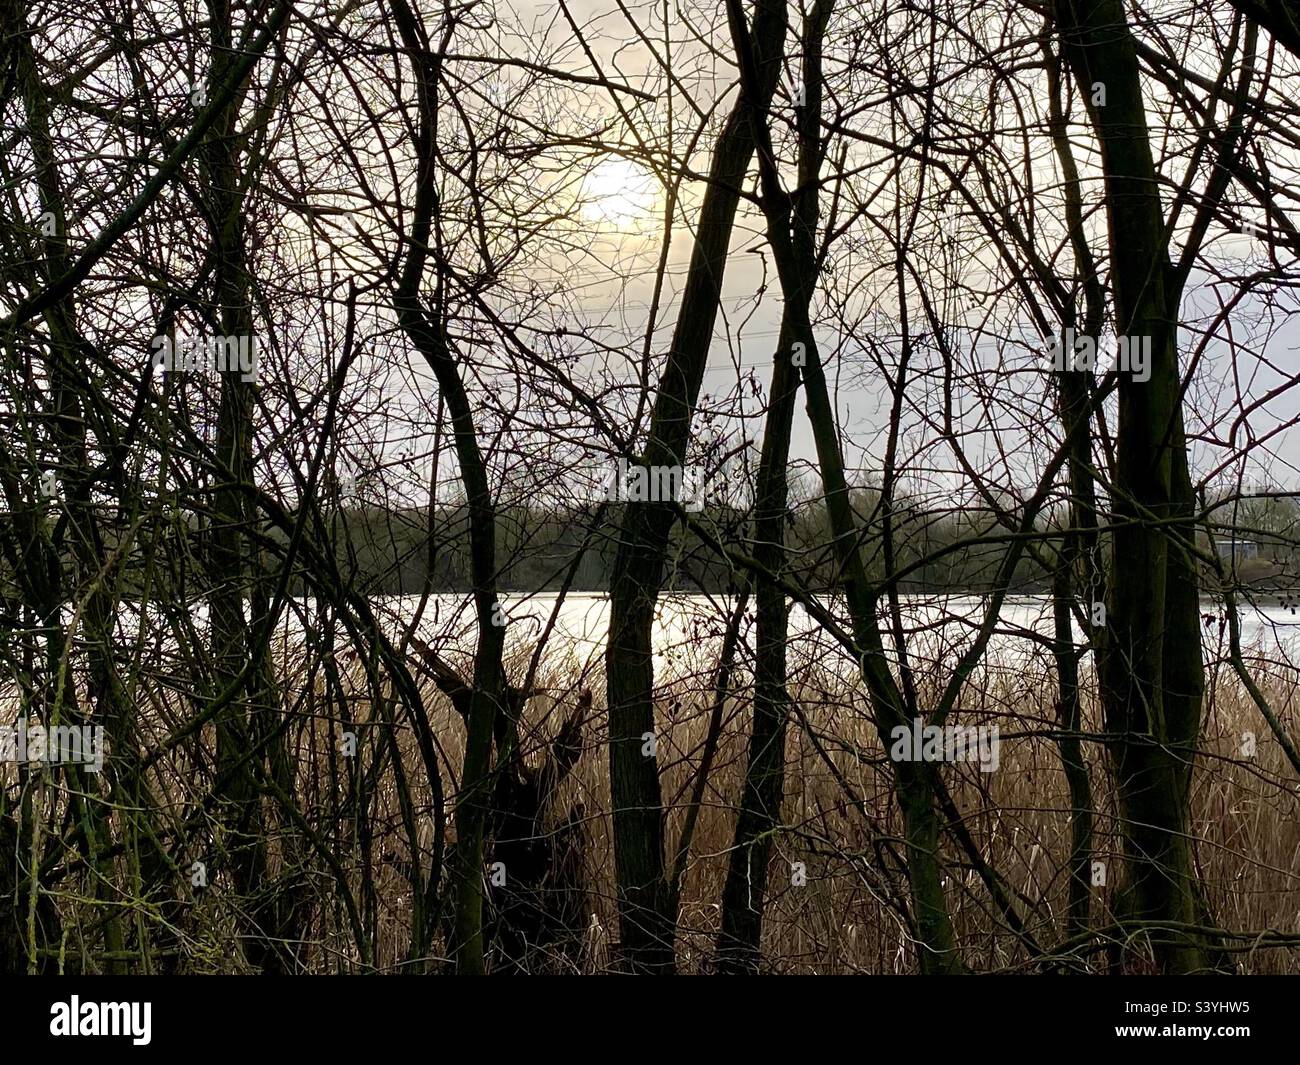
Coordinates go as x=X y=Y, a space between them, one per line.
x=839 y=820
x=839 y=815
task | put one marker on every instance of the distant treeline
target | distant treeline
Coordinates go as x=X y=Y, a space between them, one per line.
x=406 y=550
x=400 y=552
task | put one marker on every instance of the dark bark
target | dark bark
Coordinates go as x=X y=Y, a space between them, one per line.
x=426 y=332
x=745 y=889
x=1078 y=563
x=1151 y=676
x=238 y=666
x=1280 y=17
x=915 y=781
x=77 y=407
x=644 y=895
x=538 y=916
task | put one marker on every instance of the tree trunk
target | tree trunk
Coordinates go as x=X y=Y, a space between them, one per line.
x=1151 y=676
x=644 y=895
x=487 y=699
x=229 y=553
x=936 y=947
x=1078 y=561
x=760 y=811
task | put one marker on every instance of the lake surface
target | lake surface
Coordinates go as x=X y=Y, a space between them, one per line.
x=689 y=629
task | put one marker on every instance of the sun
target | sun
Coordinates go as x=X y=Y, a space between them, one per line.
x=619 y=193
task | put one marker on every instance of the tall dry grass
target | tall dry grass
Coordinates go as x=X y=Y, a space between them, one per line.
x=840 y=823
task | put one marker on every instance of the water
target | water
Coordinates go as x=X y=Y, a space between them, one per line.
x=689 y=629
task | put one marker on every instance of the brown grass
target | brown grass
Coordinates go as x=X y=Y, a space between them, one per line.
x=837 y=822
x=839 y=818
